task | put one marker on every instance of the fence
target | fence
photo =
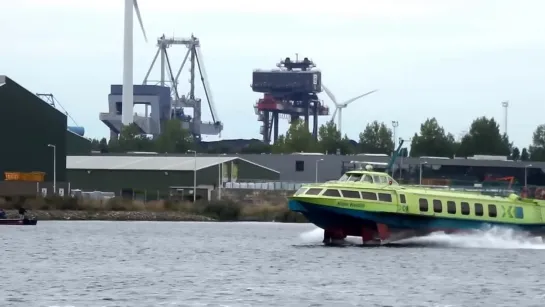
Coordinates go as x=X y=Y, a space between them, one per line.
x=494 y=189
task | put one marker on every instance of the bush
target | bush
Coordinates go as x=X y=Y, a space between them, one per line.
x=221 y=210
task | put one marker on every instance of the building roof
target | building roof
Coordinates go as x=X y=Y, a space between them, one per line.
x=148 y=163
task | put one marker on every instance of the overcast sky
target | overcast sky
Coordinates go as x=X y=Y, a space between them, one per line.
x=452 y=59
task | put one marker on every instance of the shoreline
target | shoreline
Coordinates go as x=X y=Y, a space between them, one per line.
x=81 y=215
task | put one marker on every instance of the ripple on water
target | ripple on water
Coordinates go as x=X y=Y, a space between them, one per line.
x=258 y=264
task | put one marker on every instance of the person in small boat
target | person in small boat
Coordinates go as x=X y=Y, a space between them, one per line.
x=3 y=214
x=22 y=213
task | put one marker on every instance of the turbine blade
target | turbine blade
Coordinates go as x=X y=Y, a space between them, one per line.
x=344 y=104
x=140 y=19
x=334 y=113
x=330 y=94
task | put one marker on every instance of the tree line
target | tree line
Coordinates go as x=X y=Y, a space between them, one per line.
x=482 y=138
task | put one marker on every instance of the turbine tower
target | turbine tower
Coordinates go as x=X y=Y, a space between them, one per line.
x=340 y=106
x=505 y=105
x=127 y=100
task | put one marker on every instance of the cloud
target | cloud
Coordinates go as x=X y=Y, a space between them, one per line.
x=347 y=8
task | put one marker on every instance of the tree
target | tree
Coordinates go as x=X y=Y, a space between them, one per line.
x=103 y=145
x=376 y=138
x=432 y=141
x=537 y=149
x=484 y=138
x=132 y=139
x=279 y=146
x=174 y=139
x=299 y=139
x=524 y=156
x=515 y=154
x=329 y=140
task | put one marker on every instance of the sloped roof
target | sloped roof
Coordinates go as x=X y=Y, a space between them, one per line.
x=152 y=163
x=2 y=80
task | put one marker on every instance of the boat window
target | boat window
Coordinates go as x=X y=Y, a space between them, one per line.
x=376 y=179
x=355 y=177
x=423 y=203
x=351 y=194
x=367 y=178
x=519 y=212
x=385 y=197
x=479 y=209
x=451 y=207
x=300 y=191
x=464 y=208
x=369 y=195
x=492 y=211
x=437 y=206
x=332 y=193
x=313 y=191
x=383 y=180
x=343 y=177
x=402 y=199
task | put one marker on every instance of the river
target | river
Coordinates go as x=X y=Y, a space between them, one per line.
x=141 y=264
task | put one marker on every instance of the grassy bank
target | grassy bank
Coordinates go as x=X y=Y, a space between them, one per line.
x=57 y=208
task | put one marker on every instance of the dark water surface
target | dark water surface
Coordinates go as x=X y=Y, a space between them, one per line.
x=259 y=264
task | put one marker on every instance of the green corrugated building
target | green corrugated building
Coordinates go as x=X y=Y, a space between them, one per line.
x=28 y=126
x=159 y=176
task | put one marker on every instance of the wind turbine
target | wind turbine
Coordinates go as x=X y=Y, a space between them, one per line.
x=127 y=97
x=340 y=106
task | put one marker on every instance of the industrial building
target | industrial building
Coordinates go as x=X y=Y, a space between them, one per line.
x=309 y=167
x=34 y=139
x=153 y=177
x=162 y=99
x=289 y=92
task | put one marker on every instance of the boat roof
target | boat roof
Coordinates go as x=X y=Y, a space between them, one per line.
x=362 y=172
x=430 y=192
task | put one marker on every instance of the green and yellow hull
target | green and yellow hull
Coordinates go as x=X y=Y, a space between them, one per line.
x=400 y=212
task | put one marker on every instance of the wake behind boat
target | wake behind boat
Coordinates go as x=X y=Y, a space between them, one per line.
x=374 y=206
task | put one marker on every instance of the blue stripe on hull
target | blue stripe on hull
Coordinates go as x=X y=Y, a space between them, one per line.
x=326 y=217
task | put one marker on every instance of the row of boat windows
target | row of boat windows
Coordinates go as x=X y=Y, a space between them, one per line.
x=465 y=208
x=386 y=197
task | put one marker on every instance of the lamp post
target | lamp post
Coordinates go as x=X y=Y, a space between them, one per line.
x=526 y=175
x=421 y=163
x=54 y=167
x=317 y=162
x=220 y=183
x=194 y=175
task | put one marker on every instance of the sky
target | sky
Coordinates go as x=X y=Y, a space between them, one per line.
x=452 y=59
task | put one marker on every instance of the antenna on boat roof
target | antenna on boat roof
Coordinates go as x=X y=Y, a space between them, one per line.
x=369 y=167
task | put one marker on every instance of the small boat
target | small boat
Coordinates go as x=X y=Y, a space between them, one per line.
x=31 y=222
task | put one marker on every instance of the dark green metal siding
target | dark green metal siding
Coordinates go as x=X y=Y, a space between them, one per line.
x=115 y=181
x=77 y=145
x=249 y=171
x=28 y=124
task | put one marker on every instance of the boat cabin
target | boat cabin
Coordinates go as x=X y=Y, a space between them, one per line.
x=368 y=177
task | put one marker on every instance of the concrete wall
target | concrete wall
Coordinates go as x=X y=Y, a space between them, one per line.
x=30 y=189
